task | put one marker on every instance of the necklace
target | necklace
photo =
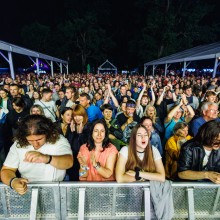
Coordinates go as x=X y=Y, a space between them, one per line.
x=140 y=152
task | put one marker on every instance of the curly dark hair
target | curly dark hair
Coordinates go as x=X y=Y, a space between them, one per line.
x=106 y=141
x=36 y=125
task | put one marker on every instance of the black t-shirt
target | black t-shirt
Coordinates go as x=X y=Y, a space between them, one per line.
x=58 y=102
x=162 y=108
x=122 y=118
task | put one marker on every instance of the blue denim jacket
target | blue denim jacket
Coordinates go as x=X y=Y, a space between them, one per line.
x=156 y=141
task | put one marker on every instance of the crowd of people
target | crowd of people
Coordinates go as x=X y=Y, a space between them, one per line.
x=108 y=127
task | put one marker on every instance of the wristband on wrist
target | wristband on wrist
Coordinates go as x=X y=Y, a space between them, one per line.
x=10 y=183
x=50 y=158
x=84 y=167
x=97 y=166
x=82 y=173
x=137 y=172
x=172 y=91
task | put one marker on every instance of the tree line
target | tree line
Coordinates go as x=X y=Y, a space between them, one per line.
x=128 y=33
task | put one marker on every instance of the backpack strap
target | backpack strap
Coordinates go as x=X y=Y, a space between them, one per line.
x=168 y=124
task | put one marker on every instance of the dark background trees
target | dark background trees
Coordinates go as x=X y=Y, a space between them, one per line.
x=128 y=33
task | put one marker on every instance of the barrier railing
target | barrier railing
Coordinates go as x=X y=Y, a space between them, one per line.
x=78 y=200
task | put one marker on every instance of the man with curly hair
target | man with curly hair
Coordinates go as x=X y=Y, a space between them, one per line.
x=39 y=153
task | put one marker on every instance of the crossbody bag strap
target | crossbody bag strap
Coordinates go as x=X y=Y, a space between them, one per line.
x=48 y=109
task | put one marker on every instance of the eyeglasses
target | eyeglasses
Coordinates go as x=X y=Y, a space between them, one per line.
x=213 y=111
x=142 y=136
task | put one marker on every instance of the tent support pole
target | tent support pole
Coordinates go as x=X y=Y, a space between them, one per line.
x=11 y=65
x=186 y=64
x=166 y=68
x=154 y=67
x=51 y=67
x=145 y=69
x=38 y=69
x=61 y=68
x=215 y=67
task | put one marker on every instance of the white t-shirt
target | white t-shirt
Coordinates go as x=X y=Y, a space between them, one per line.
x=69 y=103
x=206 y=158
x=156 y=153
x=5 y=104
x=38 y=171
x=49 y=109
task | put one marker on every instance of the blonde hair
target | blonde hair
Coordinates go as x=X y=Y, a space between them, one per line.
x=155 y=113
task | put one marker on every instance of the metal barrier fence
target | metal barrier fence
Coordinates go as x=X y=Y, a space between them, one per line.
x=77 y=200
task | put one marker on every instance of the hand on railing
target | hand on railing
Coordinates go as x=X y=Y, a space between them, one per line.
x=213 y=176
x=20 y=185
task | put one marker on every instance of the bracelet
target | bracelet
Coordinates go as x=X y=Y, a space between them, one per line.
x=49 y=159
x=10 y=183
x=82 y=173
x=97 y=166
x=84 y=167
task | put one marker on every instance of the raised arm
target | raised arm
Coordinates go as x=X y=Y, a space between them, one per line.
x=173 y=111
x=138 y=102
x=160 y=99
x=172 y=91
x=152 y=102
x=115 y=101
x=191 y=114
x=106 y=99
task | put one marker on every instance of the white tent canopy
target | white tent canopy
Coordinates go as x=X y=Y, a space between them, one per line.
x=11 y=48
x=209 y=51
x=107 y=66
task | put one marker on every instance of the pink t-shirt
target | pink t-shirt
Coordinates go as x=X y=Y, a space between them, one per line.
x=101 y=157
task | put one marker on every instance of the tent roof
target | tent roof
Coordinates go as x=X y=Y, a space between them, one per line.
x=209 y=51
x=24 y=51
x=107 y=66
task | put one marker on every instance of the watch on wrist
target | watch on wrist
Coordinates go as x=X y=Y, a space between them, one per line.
x=97 y=166
x=10 y=183
x=50 y=158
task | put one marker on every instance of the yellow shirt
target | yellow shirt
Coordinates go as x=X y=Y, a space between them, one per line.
x=172 y=151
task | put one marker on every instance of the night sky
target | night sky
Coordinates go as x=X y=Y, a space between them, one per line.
x=15 y=14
